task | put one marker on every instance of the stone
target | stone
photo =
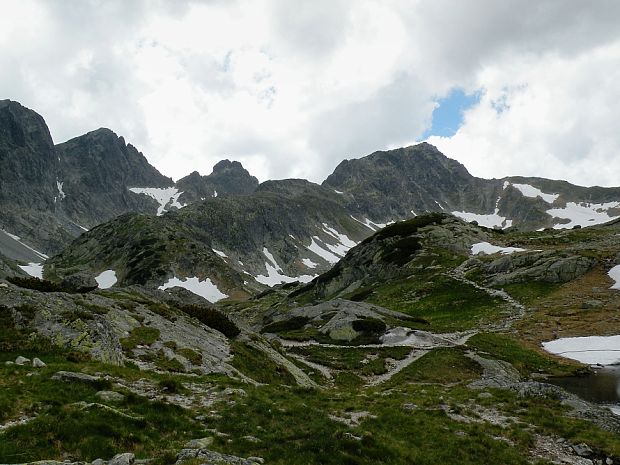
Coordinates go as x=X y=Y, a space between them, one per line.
x=582 y=450
x=485 y=395
x=256 y=459
x=38 y=363
x=201 y=443
x=21 y=360
x=208 y=456
x=110 y=396
x=73 y=377
x=81 y=282
x=9 y=362
x=123 y=459
x=98 y=462
x=593 y=303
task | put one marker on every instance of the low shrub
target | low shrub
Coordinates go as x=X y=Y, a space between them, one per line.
x=213 y=319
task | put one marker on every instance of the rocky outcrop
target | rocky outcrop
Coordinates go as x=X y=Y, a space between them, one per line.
x=538 y=266
x=228 y=178
x=113 y=330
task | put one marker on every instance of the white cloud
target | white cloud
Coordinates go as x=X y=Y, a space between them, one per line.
x=290 y=88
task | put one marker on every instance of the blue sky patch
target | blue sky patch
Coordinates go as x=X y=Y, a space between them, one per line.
x=448 y=116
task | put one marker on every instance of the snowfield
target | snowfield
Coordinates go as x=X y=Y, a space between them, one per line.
x=614 y=274
x=583 y=214
x=533 y=192
x=33 y=269
x=204 y=288
x=603 y=350
x=489 y=249
x=274 y=273
x=106 y=279
x=163 y=196
x=491 y=220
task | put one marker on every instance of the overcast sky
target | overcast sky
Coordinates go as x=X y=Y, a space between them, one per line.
x=291 y=88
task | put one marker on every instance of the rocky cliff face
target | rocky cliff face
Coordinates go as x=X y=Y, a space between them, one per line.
x=97 y=170
x=29 y=170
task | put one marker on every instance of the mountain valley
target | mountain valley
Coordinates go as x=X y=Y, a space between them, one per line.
x=397 y=313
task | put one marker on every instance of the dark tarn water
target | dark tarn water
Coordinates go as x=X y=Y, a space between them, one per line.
x=601 y=387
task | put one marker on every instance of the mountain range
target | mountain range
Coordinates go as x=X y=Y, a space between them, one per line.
x=97 y=205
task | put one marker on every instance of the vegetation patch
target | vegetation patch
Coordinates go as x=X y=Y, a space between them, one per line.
x=142 y=335
x=213 y=319
x=525 y=359
x=258 y=366
x=291 y=324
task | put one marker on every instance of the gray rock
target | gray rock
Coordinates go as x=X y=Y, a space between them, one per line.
x=201 y=443
x=256 y=459
x=110 y=396
x=98 y=462
x=73 y=377
x=38 y=363
x=123 y=459
x=593 y=303
x=9 y=362
x=21 y=360
x=80 y=282
x=582 y=450
x=212 y=458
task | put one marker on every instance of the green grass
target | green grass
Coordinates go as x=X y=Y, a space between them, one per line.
x=365 y=361
x=441 y=366
x=525 y=359
x=528 y=293
x=444 y=303
x=258 y=366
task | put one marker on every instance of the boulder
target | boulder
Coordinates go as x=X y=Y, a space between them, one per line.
x=110 y=396
x=21 y=360
x=123 y=459
x=38 y=363
x=73 y=377
x=80 y=282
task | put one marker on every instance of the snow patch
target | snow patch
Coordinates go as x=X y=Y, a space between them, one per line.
x=603 y=350
x=487 y=248
x=338 y=192
x=214 y=193
x=168 y=196
x=614 y=274
x=491 y=220
x=371 y=224
x=583 y=214
x=321 y=252
x=532 y=192
x=343 y=239
x=61 y=194
x=33 y=269
x=309 y=263
x=220 y=253
x=274 y=273
x=204 y=288
x=106 y=279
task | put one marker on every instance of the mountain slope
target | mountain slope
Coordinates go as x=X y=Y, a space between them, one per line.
x=286 y=230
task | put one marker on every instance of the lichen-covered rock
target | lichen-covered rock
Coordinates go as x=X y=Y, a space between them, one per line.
x=538 y=266
x=73 y=377
x=212 y=457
